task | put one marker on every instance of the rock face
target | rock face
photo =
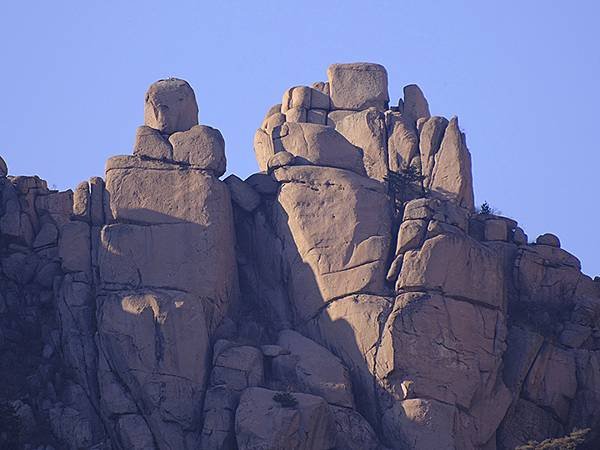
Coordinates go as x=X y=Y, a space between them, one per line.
x=346 y=297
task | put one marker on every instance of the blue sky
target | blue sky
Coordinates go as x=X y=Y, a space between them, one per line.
x=523 y=77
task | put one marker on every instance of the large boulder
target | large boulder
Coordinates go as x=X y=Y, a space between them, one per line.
x=451 y=174
x=201 y=146
x=261 y=422
x=323 y=265
x=318 y=144
x=312 y=369
x=367 y=131
x=170 y=106
x=357 y=86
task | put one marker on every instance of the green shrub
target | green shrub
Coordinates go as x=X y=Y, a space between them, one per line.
x=286 y=399
x=573 y=441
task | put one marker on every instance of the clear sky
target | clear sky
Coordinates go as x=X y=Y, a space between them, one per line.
x=523 y=77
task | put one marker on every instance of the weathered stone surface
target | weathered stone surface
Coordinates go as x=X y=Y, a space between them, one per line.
x=452 y=168
x=519 y=237
x=527 y=422
x=201 y=146
x=353 y=431
x=403 y=142
x=415 y=104
x=358 y=86
x=81 y=202
x=312 y=369
x=263 y=183
x=296 y=115
x=318 y=144
x=74 y=247
x=151 y=143
x=548 y=239
x=421 y=424
x=327 y=265
x=157 y=343
x=97 y=201
x=188 y=260
x=430 y=139
x=238 y=367
x=151 y=193
x=262 y=423
x=411 y=235
x=219 y=417
x=333 y=117
x=318 y=116
x=481 y=280
x=170 y=106
x=272 y=121
x=263 y=148
x=552 y=381
x=242 y=193
x=280 y=159
x=350 y=327
x=495 y=230
x=366 y=130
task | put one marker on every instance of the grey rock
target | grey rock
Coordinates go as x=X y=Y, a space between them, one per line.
x=170 y=106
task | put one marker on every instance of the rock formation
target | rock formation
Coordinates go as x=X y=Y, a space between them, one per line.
x=348 y=296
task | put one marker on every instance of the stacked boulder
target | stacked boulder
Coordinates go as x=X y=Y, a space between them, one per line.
x=348 y=296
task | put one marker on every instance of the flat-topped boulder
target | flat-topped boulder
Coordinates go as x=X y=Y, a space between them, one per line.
x=170 y=106
x=358 y=86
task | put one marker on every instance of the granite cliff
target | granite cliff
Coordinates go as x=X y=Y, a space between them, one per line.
x=347 y=296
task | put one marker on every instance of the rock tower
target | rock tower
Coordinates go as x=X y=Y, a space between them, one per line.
x=347 y=296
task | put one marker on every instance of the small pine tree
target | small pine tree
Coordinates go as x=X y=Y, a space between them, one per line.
x=286 y=399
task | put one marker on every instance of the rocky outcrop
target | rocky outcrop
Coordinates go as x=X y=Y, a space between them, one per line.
x=347 y=296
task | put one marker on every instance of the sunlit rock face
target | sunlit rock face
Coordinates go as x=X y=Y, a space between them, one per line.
x=347 y=296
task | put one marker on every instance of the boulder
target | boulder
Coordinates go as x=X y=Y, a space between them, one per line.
x=97 y=201
x=318 y=116
x=263 y=183
x=263 y=423
x=334 y=117
x=420 y=424
x=280 y=159
x=74 y=247
x=452 y=168
x=478 y=278
x=353 y=431
x=430 y=139
x=415 y=104
x=201 y=146
x=495 y=230
x=367 y=131
x=296 y=115
x=548 y=239
x=358 y=86
x=403 y=142
x=318 y=144
x=157 y=342
x=312 y=369
x=519 y=237
x=219 y=418
x=146 y=192
x=238 y=367
x=170 y=106
x=81 y=202
x=323 y=265
x=151 y=143
x=263 y=148
x=242 y=193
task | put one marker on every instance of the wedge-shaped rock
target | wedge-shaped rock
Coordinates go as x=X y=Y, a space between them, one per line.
x=318 y=144
x=430 y=139
x=170 y=106
x=242 y=193
x=366 y=130
x=358 y=86
x=263 y=423
x=321 y=263
x=201 y=146
x=353 y=431
x=312 y=369
x=403 y=142
x=151 y=143
x=452 y=168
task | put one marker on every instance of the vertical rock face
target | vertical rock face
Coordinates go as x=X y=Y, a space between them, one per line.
x=348 y=296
